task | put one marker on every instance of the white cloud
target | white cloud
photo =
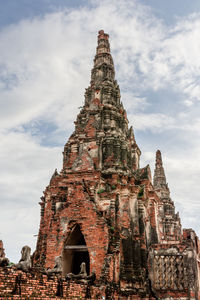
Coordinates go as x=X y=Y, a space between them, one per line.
x=26 y=168
x=154 y=122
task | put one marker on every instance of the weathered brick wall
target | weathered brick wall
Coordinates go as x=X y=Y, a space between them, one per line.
x=19 y=285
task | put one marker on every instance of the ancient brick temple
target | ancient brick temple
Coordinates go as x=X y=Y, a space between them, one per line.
x=104 y=210
x=106 y=229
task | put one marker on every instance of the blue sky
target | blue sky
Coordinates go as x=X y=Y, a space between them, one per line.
x=169 y=11
x=13 y=11
x=46 y=55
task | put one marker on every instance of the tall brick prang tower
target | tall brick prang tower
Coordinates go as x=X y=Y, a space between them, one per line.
x=102 y=208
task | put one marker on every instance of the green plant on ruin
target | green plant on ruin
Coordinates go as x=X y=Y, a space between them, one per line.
x=113 y=187
x=100 y=191
x=141 y=192
x=112 y=229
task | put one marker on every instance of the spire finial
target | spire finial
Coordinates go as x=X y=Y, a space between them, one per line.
x=158 y=158
x=103 y=43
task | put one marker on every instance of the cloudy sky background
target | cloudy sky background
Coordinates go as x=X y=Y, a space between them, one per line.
x=46 y=54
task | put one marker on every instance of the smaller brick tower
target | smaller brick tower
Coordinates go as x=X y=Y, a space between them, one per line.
x=169 y=221
x=173 y=261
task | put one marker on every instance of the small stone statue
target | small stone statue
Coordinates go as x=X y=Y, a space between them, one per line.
x=57 y=267
x=3 y=260
x=83 y=272
x=82 y=275
x=25 y=262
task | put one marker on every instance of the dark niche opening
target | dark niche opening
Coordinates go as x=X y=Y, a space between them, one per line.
x=75 y=252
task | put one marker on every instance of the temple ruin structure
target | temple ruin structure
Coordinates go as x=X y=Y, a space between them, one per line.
x=107 y=231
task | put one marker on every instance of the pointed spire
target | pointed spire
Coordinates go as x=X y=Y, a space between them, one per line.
x=169 y=222
x=103 y=120
x=159 y=180
x=103 y=63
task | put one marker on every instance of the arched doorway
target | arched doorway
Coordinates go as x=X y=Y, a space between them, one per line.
x=75 y=252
